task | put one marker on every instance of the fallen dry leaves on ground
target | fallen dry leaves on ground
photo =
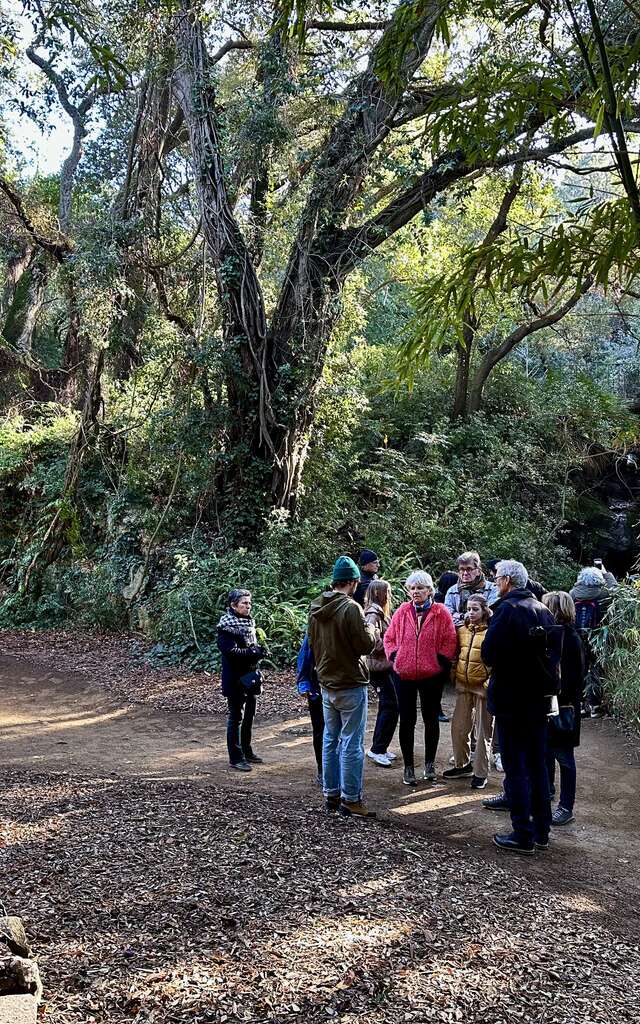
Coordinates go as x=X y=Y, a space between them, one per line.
x=116 y=662
x=168 y=903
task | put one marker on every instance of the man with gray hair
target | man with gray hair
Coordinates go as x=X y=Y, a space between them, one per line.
x=471 y=582
x=519 y=648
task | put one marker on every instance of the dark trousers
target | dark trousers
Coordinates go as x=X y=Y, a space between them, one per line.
x=316 y=715
x=242 y=708
x=387 y=717
x=430 y=693
x=523 y=748
x=566 y=758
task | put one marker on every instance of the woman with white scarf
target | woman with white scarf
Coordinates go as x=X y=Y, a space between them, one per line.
x=241 y=652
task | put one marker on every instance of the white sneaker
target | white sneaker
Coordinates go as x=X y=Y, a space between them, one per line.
x=391 y=754
x=498 y=761
x=381 y=759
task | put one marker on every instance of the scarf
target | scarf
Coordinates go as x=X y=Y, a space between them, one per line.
x=240 y=625
x=473 y=588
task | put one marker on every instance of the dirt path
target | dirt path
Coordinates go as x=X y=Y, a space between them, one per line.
x=64 y=723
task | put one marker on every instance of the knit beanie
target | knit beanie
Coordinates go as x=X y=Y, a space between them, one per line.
x=367 y=556
x=344 y=570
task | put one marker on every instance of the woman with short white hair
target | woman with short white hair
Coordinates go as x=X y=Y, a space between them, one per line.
x=421 y=644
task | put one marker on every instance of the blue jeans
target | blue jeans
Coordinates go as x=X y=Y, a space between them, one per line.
x=387 y=718
x=566 y=758
x=523 y=748
x=345 y=719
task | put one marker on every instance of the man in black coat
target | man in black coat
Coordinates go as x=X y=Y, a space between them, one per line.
x=518 y=647
x=369 y=564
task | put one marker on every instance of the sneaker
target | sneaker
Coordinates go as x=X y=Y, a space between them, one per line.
x=496 y=803
x=391 y=754
x=477 y=782
x=241 y=766
x=541 y=844
x=430 y=774
x=561 y=816
x=409 y=776
x=443 y=716
x=332 y=804
x=597 y=712
x=253 y=759
x=458 y=773
x=380 y=759
x=498 y=763
x=508 y=842
x=355 y=809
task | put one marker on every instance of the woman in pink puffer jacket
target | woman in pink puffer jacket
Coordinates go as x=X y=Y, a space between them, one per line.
x=421 y=643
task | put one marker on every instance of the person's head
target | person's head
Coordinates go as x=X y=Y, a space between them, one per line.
x=379 y=592
x=345 y=576
x=561 y=606
x=490 y=565
x=369 y=561
x=240 y=602
x=419 y=586
x=469 y=568
x=590 y=577
x=510 y=575
x=446 y=581
x=478 y=611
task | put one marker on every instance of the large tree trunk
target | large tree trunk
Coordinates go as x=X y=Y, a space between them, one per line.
x=272 y=375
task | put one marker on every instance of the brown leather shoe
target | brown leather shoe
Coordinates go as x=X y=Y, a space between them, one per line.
x=357 y=809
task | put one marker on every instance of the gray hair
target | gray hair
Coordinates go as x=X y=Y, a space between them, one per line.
x=236 y=595
x=590 y=577
x=514 y=570
x=469 y=556
x=421 y=578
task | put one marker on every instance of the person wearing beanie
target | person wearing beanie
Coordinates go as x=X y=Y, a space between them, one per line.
x=369 y=566
x=339 y=638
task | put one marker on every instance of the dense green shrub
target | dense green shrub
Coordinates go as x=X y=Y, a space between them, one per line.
x=618 y=648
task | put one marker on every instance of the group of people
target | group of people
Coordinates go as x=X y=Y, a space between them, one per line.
x=514 y=653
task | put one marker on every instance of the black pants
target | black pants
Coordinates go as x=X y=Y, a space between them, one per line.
x=387 y=718
x=430 y=693
x=242 y=708
x=316 y=715
x=523 y=748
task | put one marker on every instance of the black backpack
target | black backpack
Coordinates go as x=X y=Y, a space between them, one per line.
x=587 y=614
x=546 y=653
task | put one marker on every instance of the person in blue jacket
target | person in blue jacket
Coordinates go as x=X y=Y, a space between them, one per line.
x=241 y=652
x=309 y=687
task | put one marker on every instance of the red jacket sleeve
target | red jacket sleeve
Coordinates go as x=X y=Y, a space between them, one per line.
x=448 y=643
x=391 y=638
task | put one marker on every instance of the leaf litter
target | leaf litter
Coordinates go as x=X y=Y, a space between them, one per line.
x=116 y=662
x=167 y=902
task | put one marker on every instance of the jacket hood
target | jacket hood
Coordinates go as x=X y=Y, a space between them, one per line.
x=588 y=592
x=328 y=605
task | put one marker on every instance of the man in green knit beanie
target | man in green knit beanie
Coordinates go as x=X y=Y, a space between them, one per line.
x=339 y=638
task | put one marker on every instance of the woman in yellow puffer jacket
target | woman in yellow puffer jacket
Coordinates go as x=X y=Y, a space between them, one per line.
x=471 y=677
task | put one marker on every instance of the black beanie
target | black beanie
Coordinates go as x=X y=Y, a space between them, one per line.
x=367 y=556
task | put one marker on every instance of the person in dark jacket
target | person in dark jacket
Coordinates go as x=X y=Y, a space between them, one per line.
x=518 y=698
x=369 y=565
x=591 y=597
x=309 y=687
x=563 y=743
x=241 y=652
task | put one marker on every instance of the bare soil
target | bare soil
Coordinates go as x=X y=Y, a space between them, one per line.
x=123 y=829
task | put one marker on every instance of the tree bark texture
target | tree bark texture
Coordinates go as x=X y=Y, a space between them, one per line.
x=276 y=368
